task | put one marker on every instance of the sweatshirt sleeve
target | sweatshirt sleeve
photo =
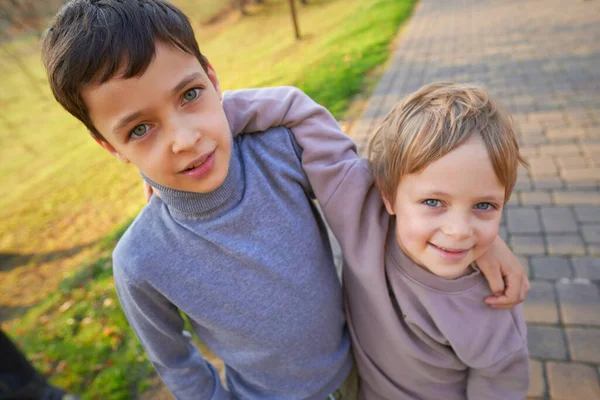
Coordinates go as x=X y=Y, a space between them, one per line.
x=159 y=327
x=327 y=152
x=507 y=379
x=506 y=375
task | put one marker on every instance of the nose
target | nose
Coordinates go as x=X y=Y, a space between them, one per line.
x=458 y=225
x=183 y=135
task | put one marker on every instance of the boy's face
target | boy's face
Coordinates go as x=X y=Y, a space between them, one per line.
x=448 y=214
x=168 y=122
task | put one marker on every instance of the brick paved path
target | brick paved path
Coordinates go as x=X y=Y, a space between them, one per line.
x=542 y=58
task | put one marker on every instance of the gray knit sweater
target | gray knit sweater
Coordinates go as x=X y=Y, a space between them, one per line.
x=251 y=267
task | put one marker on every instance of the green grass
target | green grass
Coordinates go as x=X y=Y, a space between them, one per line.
x=61 y=196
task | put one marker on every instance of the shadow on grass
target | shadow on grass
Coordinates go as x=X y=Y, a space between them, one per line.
x=11 y=261
x=9 y=312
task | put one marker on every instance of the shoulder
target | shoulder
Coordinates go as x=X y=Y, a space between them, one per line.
x=139 y=245
x=276 y=143
x=482 y=336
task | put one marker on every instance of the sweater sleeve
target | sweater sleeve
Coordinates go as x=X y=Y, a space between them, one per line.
x=506 y=379
x=159 y=327
x=327 y=152
x=500 y=370
x=340 y=180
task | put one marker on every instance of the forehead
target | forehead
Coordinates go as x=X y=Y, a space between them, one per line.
x=466 y=171
x=109 y=101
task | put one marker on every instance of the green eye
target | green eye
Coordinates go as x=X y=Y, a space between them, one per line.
x=191 y=95
x=432 y=203
x=140 y=130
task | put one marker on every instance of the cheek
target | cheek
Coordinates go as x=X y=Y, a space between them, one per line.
x=414 y=227
x=487 y=231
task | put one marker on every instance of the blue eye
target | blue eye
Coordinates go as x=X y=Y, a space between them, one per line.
x=139 y=130
x=191 y=94
x=432 y=203
x=483 y=206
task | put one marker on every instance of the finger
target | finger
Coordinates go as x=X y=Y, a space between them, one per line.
x=498 y=302
x=494 y=277
x=512 y=294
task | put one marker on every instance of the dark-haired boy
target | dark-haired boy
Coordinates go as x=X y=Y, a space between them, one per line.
x=234 y=242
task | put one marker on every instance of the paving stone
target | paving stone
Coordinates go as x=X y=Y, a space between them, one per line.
x=581 y=174
x=560 y=149
x=548 y=182
x=543 y=167
x=572 y=381
x=578 y=303
x=535 y=198
x=586 y=186
x=524 y=183
x=529 y=151
x=591 y=233
x=565 y=245
x=584 y=344
x=586 y=267
x=569 y=133
x=537 y=386
x=551 y=267
x=513 y=201
x=527 y=245
x=523 y=220
x=524 y=260
x=541 y=305
x=571 y=162
x=558 y=219
x=546 y=342
x=575 y=198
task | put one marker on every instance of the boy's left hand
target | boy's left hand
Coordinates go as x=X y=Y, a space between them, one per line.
x=505 y=274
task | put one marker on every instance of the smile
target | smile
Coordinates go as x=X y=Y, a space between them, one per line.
x=198 y=162
x=450 y=250
x=448 y=254
x=201 y=167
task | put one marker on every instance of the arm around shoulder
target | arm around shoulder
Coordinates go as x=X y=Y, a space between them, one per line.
x=327 y=152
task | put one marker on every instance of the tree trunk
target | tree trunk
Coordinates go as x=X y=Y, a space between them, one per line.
x=241 y=6
x=295 y=19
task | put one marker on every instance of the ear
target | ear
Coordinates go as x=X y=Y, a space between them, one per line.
x=212 y=75
x=109 y=147
x=389 y=205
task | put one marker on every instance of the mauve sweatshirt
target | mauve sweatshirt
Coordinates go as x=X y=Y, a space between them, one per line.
x=415 y=335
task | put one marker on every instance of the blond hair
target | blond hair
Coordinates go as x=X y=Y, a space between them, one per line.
x=432 y=122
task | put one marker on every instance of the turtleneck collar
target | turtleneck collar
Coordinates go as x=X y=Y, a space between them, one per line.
x=198 y=205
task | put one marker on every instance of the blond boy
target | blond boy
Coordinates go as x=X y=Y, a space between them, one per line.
x=412 y=221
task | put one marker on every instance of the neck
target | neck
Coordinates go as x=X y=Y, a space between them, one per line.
x=198 y=204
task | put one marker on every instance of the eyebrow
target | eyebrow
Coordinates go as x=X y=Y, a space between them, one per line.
x=180 y=86
x=491 y=197
x=186 y=81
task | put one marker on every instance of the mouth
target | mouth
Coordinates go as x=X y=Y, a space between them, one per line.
x=450 y=250
x=198 y=162
x=450 y=254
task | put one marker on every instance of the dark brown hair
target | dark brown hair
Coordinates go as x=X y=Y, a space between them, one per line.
x=91 y=41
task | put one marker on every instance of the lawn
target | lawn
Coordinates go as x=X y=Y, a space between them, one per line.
x=61 y=196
